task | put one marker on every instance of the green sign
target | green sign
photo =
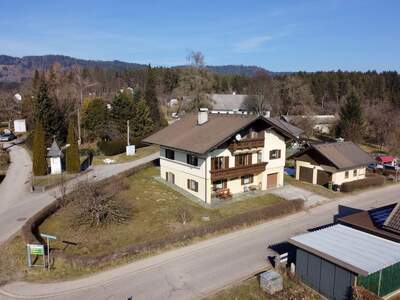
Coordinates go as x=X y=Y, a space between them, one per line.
x=36 y=249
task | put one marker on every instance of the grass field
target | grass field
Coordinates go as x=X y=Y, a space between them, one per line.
x=250 y=290
x=156 y=213
x=122 y=158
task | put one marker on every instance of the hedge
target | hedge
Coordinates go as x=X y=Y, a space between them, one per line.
x=110 y=148
x=370 y=180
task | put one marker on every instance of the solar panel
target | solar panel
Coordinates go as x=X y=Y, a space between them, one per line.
x=380 y=215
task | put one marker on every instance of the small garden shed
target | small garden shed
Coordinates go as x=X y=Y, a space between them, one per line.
x=334 y=259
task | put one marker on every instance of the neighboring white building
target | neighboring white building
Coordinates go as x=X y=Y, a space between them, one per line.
x=20 y=126
x=331 y=162
x=321 y=123
x=213 y=155
x=55 y=155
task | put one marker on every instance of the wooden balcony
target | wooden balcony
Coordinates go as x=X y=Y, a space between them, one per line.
x=246 y=144
x=237 y=171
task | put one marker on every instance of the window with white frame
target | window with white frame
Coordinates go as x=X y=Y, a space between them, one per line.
x=355 y=173
x=275 y=154
x=346 y=174
x=259 y=157
x=192 y=185
x=247 y=179
x=170 y=154
x=192 y=160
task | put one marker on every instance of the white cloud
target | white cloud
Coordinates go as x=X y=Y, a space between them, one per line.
x=252 y=43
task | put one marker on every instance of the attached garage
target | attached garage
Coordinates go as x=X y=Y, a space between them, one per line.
x=323 y=177
x=334 y=259
x=272 y=180
x=306 y=174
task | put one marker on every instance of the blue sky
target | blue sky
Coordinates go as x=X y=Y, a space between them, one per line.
x=278 y=35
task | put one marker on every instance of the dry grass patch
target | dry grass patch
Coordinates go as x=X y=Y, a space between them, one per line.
x=250 y=290
x=122 y=158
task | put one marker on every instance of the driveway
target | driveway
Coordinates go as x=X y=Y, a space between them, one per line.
x=290 y=192
x=17 y=203
x=196 y=271
x=16 y=185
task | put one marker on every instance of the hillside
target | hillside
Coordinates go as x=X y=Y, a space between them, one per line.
x=17 y=69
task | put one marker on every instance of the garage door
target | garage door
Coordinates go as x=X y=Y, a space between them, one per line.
x=272 y=180
x=306 y=174
x=323 y=178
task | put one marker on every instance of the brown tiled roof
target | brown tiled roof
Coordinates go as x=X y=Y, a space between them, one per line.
x=345 y=155
x=393 y=221
x=291 y=129
x=186 y=134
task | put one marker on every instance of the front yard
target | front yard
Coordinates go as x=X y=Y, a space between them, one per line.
x=157 y=212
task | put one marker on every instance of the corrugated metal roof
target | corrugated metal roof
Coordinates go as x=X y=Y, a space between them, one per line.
x=357 y=251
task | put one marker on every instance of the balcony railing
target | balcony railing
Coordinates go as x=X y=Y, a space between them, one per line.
x=246 y=144
x=237 y=171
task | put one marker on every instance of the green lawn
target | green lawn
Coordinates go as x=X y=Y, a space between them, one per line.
x=317 y=189
x=250 y=290
x=122 y=158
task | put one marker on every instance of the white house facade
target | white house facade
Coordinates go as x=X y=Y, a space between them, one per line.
x=239 y=154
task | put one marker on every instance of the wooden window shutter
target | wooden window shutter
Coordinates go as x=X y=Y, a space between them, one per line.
x=250 y=158
x=213 y=164
x=226 y=162
x=242 y=179
x=188 y=184
x=236 y=160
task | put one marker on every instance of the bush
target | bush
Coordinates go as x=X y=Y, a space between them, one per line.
x=360 y=293
x=110 y=148
x=371 y=180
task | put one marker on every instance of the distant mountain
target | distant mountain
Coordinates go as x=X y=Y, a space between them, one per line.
x=17 y=69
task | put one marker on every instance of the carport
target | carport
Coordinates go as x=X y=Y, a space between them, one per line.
x=334 y=259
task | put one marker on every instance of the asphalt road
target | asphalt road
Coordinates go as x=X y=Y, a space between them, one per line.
x=196 y=271
x=17 y=203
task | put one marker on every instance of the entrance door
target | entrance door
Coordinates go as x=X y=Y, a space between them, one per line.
x=323 y=177
x=306 y=174
x=272 y=180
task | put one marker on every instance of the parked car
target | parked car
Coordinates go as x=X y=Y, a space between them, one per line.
x=7 y=137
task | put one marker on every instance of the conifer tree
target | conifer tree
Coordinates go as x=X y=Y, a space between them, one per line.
x=351 y=123
x=39 y=151
x=45 y=110
x=73 y=164
x=150 y=97
x=142 y=124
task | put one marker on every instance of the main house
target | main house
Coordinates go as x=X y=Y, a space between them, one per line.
x=214 y=155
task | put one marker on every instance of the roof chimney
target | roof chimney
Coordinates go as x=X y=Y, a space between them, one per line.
x=202 y=116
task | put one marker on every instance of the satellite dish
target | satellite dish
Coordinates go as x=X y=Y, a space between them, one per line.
x=238 y=137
